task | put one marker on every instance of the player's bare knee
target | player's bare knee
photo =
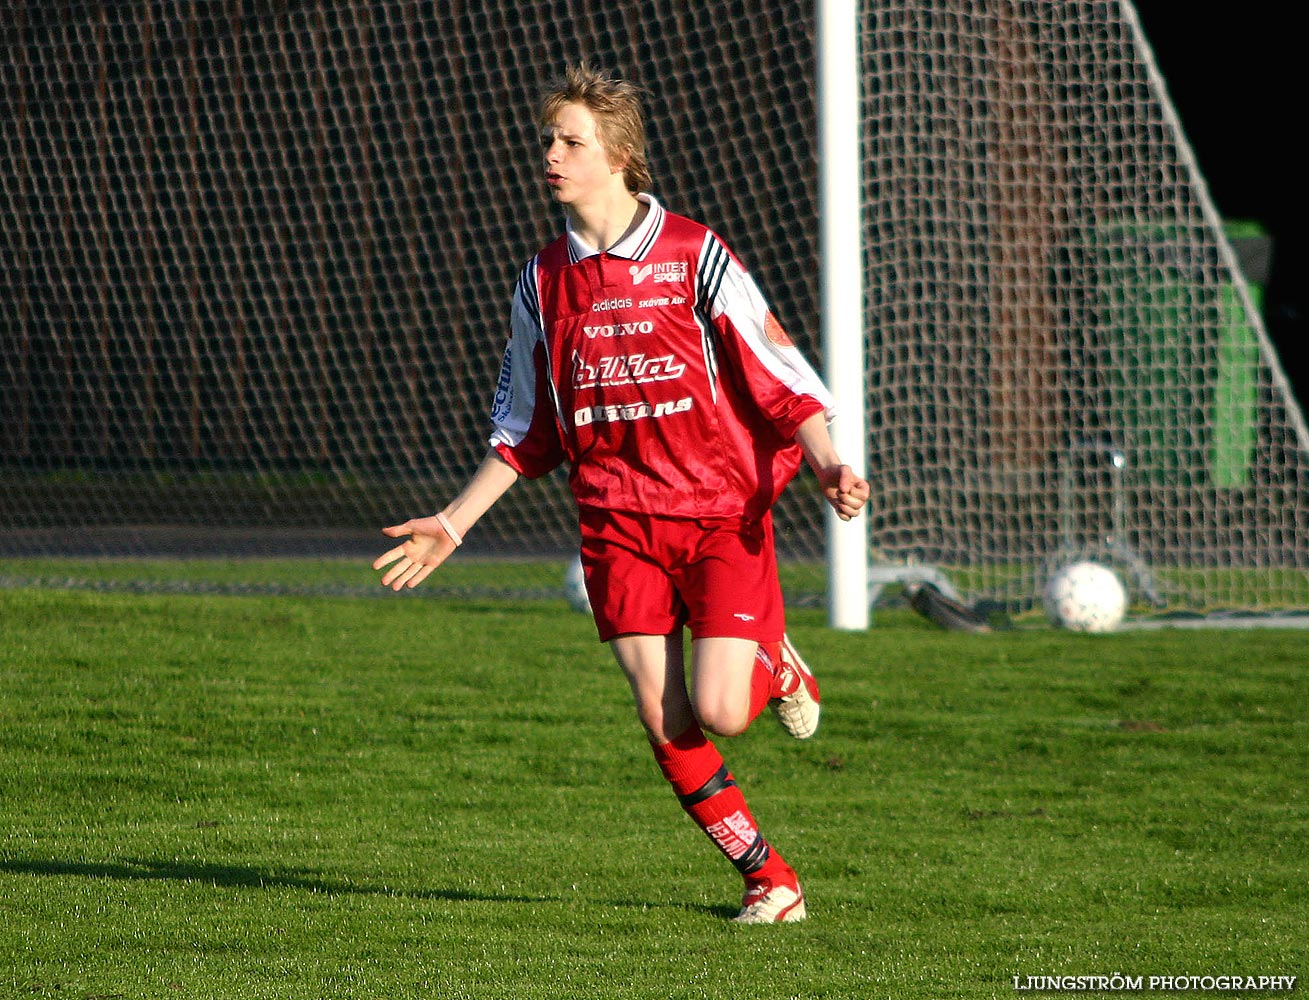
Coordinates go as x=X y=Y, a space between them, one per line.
x=661 y=722
x=652 y=720
x=722 y=720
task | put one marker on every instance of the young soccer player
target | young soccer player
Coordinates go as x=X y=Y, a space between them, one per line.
x=643 y=355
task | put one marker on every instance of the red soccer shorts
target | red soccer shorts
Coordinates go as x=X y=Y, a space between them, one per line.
x=651 y=575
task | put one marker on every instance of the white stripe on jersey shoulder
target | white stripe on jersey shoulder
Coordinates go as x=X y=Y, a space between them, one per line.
x=710 y=271
x=528 y=293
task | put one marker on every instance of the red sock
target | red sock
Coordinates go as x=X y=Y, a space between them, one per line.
x=763 y=679
x=708 y=793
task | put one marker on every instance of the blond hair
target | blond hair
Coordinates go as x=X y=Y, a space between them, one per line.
x=619 y=117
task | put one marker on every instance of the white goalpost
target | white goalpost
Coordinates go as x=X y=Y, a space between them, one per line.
x=842 y=292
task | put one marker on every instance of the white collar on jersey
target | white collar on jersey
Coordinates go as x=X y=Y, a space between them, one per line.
x=634 y=246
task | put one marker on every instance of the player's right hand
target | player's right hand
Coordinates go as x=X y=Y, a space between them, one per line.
x=412 y=562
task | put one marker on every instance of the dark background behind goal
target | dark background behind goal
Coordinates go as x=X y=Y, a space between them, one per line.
x=1238 y=87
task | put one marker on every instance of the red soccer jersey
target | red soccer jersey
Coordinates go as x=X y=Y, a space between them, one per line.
x=657 y=371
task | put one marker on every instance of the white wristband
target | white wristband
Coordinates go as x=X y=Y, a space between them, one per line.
x=455 y=537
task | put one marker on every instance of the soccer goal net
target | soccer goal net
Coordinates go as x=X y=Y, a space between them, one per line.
x=258 y=258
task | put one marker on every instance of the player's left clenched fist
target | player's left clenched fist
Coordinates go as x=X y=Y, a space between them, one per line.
x=844 y=490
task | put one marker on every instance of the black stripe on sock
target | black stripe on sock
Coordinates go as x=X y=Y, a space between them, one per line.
x=709 y=789
x=753 y=859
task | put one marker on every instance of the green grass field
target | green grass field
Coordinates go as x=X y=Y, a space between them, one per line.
x=218 y=796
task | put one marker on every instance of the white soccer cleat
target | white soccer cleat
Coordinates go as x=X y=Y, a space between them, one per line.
x=766 y=903
x=798 y=704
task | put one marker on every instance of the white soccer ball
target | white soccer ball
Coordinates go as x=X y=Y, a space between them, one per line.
x=1085 y=597
x=575 y=587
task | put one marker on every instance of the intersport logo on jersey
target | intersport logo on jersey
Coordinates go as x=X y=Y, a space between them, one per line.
x=675 y=270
